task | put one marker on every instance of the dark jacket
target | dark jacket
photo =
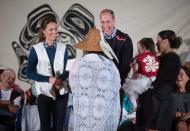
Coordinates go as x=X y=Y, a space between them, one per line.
x=122 y=45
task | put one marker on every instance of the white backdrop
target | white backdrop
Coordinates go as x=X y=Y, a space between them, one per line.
x=138 y=18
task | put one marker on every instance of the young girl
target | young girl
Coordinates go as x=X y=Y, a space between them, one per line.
x=143 y=70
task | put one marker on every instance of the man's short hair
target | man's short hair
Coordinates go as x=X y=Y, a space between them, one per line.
x=108 y=11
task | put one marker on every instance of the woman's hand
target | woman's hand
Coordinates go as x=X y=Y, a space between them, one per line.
x=185 y=116
x=133 y=120
x=52 y=80
x=58 y=83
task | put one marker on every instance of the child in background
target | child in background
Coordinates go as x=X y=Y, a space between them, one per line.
x=143 y=70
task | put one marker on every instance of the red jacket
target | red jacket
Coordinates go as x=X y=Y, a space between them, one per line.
x=148 y=64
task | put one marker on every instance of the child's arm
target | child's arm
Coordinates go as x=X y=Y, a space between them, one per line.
x=134 y=69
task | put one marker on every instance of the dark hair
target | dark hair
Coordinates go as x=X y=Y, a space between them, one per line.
x=45 y=21
x=174 y=41
x=187 y=72
x=108 y=11
x=148 y=43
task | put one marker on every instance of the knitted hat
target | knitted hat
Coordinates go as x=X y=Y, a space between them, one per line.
x=91 y=41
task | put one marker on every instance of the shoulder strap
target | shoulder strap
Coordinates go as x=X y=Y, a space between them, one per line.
x=52 y=69
x=51 y=64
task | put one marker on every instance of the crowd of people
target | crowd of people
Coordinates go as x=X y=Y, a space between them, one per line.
x=111 y=89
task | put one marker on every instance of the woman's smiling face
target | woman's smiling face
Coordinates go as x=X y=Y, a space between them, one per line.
x=161 y=44
x=182 y=79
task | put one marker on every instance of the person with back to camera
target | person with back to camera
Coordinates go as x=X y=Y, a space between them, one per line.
x=160 y=115
x=46 y=67
x=95 y=82
x=143 y=70
x=181 y=99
